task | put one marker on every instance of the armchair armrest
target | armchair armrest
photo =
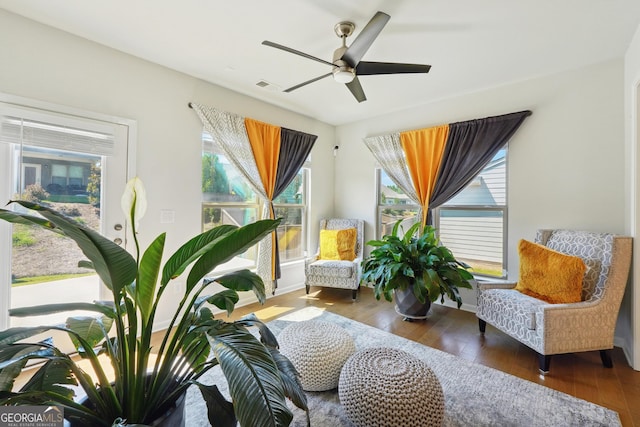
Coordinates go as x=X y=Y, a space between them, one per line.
x=586 y=325
x=552 y=309
x=358 y=262
x=311 y=259
x=495 y=285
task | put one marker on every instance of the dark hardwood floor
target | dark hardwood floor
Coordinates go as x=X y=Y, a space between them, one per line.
x=456 y=332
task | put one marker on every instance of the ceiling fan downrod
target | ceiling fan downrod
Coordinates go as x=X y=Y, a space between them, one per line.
x=342 y=72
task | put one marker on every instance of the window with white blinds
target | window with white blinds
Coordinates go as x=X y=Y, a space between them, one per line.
x=24 y=126
x=58 y=152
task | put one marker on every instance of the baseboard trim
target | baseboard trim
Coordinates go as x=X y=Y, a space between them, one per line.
x=626 y=350
x=452 y=304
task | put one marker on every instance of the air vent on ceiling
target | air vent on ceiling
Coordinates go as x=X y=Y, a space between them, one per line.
x=270 y=86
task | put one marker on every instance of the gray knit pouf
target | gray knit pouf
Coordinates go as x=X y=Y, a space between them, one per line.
x=387 y=387
x=318 y=350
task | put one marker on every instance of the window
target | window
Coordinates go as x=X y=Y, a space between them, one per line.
x=290 y=205
x=59 y=175
x=70 y=177
x=228 y=199
x=393 y=205
x=472 y=224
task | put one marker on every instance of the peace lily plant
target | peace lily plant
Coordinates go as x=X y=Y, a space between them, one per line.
x=144 y=387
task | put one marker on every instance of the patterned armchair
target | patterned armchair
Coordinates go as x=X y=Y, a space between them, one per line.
x=337 y=274
x=565 y=328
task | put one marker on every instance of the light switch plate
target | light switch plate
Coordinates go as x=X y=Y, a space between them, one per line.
x=167 y=216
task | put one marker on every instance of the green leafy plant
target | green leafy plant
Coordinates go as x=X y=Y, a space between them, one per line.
x=419 y=263
x=144 y=388
x=35 y=193
x=93 y=186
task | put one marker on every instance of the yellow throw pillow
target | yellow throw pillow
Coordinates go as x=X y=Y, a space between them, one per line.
x=338 y=244
x=549 y=275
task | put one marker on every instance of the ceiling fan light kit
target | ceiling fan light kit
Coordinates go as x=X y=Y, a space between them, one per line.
x=343 y=73
x=346 y=65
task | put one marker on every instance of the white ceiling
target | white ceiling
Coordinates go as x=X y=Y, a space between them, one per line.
x=470 y=44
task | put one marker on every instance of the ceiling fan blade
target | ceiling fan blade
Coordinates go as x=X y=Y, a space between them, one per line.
x=296 y=52
x=356 y=89
x=370 y=68
x=362 y=43
x=292 y=88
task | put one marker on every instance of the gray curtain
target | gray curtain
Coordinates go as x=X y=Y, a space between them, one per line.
x=295 y=147
x=470 y=147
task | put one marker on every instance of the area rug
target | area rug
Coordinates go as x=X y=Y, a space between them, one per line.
x=475 y=395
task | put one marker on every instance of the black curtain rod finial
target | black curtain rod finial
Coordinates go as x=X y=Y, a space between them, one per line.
x=190 y=105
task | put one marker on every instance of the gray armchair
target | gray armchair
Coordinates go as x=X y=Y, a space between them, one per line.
x=335 y=273
x=565 y=328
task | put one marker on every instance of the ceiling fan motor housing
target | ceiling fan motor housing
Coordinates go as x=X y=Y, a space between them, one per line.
x=342 y=72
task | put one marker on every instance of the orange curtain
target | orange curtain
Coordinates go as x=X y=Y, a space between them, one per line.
x=265 y=144
x=423 y=150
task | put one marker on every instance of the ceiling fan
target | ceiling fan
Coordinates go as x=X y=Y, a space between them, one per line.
x=347 y=64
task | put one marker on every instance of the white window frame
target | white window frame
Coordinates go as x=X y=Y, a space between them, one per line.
x=304 y=206
x=383 y=207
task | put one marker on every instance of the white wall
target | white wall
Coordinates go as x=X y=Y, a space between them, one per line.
x=630 y=317
x=566 y=164
x=48 y=65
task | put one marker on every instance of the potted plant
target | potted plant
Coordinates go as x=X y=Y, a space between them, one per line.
x=416 y=270
x=144 y=390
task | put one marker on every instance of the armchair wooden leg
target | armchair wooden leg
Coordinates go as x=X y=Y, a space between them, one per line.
x=354 y=293
x=307 y=288
x=544 y=362
x=482 y=325
x=605 y=356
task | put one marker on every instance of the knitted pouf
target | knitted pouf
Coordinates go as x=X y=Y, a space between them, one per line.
x=387 y=387
x=318 y=350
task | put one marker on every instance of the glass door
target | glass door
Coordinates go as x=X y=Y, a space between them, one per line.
x=77 y=166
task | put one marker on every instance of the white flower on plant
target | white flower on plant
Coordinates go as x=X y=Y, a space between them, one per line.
x=134 y=201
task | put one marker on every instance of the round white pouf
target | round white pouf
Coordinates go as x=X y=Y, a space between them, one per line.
x=318 y=350
x=387 y=387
